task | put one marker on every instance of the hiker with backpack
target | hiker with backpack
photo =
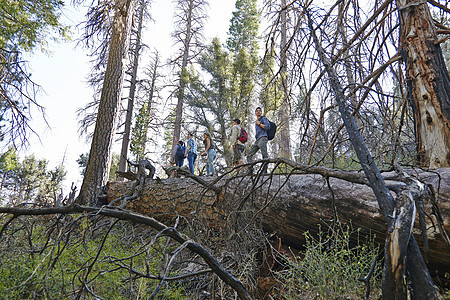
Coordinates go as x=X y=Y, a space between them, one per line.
x=211 y=152
x=179 y=154
x=262 y=126
x=191 y=151
x=237 y=141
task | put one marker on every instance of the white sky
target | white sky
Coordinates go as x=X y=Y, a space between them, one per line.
x=62 y=75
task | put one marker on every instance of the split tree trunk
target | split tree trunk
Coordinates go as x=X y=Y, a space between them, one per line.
x=428 y=83
x=290 y=207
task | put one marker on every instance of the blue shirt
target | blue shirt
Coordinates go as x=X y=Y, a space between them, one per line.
x=260 y=132
x=192 y=145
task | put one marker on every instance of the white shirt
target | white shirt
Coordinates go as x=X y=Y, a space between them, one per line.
x=235 y=133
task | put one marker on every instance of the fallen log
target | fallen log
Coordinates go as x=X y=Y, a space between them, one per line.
x=289 y=206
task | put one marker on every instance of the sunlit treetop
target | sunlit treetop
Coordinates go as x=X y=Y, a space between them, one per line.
x=243 y=31
x=26 y=24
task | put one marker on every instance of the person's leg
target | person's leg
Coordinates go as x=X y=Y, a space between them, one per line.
x=191 y=160
x=238 y=156
x=208 y=164
x=241 y=149
x=235 y=155
x=251 y=153
x=262 y=143
x=211 y=158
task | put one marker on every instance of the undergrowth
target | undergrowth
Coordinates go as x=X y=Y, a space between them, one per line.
x=37 y=262
x=330 y=266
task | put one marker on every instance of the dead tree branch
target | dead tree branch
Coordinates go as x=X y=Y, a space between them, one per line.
x=401 y=243
x=215 y=266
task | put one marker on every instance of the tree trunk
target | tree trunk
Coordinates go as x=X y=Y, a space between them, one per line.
x=97 y=169
x=428 y=83
x=180 y=93
x=154 y=76
x=130 y=106
x=289 y=207
x=283 y=114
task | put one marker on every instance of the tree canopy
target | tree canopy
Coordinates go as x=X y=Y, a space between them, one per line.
x=24 y=27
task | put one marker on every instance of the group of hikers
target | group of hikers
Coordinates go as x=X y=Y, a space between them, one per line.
x=237 y=139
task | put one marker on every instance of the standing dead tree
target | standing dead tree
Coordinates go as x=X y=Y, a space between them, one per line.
x=135 y=52
x=428 y=82
x=189 y=18
x=404 y=264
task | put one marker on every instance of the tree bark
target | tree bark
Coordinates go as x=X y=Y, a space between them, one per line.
x=97 y=169
x=133 y=81
x=180 y=92
x=289 y=207
x=428 y=83
x=154 y=76
x=283 y=114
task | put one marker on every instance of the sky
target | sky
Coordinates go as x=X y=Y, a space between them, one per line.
x=62 y=77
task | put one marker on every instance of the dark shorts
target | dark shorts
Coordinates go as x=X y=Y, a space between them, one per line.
x=237 y=153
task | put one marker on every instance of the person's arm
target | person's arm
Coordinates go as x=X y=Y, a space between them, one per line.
x=234 y=136
x=208 y=144
x=264 y=124
x=188 y=146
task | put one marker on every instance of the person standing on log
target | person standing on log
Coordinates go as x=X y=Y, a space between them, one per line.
x=178 y=155
x=262 y=125
x=211 y=152
x=191 y=151
x=236 y=144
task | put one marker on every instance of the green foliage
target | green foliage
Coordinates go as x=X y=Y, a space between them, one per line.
x=139 y=133
x=244 y=26
x=168 y=135
x=29 y=180
x=84 y=158
x=228 y=90
x=115 y=160
x=82 y=162
x=211 y=102
x=24 y=24
x=271 y=94
x=55 y=271
x=243 y=43
x=331 y=265
x=244 y=74
x=9 y=161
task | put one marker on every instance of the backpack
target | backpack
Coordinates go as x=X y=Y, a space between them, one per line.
x=272 y=130
x=243 y=136
x=180 y=151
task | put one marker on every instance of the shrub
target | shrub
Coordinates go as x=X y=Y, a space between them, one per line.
x=331 y=266
x=41 y=263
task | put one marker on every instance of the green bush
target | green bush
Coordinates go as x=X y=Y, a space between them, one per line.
x=41 y=264
x=330 y=267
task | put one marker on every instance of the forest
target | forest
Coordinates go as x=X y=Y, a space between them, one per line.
x=352 y=201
